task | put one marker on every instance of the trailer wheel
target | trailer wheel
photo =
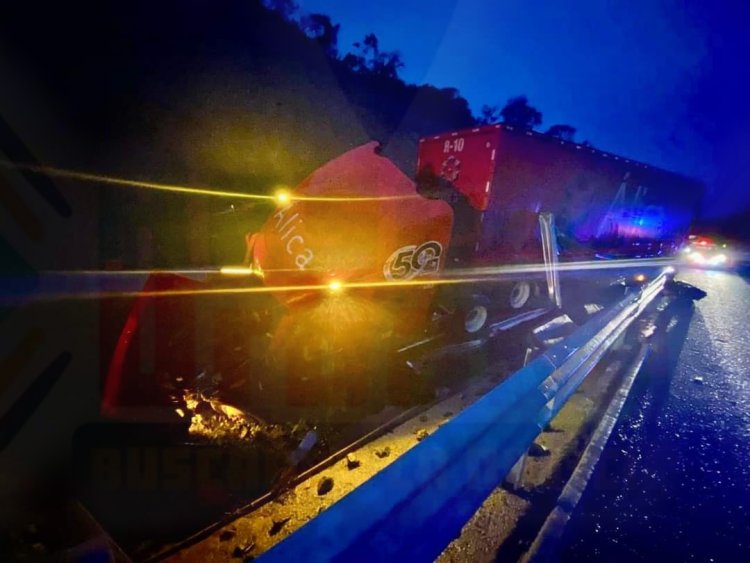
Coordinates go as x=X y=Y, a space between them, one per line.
x=520 y=294
x=475 y=319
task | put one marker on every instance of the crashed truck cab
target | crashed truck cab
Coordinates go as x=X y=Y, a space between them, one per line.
x=358 y=222
x=343 y=265
x=348 y=231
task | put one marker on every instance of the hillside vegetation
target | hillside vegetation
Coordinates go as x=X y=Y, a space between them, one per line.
x=237 y=98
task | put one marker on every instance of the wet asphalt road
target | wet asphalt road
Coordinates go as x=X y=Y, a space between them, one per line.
x=673 y=483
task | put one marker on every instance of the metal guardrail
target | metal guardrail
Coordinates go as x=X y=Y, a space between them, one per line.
x=547 y=543
x=416 y=506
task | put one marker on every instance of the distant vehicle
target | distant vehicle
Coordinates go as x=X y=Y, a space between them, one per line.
x=707 y=253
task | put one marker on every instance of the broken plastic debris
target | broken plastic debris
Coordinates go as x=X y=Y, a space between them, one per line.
x=212 y=419
x=307 y=443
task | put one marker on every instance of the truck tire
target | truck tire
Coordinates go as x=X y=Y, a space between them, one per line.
x=470 y=315
x=475 y=319
x=520 y=294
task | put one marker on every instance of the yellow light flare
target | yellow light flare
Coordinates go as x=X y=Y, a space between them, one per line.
x=335 y=286
x=640 y=278
x=237 y=271
x=282 y=197
x=174 y=188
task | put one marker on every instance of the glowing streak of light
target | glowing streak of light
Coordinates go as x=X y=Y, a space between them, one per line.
x=239 y=270
x=586 y=265
x=472 y=276
x=114 y=181
x=259 y=289
x=452 y=273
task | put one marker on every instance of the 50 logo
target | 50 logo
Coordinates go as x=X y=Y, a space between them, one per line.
x=411 y=261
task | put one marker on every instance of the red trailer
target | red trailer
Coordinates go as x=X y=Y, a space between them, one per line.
x=500 y=181
x=603 y=204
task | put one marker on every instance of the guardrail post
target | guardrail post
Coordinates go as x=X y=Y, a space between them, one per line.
x=514 y=479
x=550 y=252
x=527 y=356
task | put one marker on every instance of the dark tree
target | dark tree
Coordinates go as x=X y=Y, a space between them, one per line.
x=285 y=8
x=489 y=114
x=369 y=58
x=320 y=28
x=369 y=47
x=518 y=113
x=562 y=131
x=388 y=64
x=354 y=62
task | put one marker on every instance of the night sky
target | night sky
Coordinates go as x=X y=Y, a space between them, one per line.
x=662 y=81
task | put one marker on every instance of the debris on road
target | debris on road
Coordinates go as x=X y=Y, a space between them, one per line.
x=227 y=535
x=277 y=525
x=352 y=462
x=383 y=452
x=325 y=485
x=538 y=450
x=698 y=379
x=214 y=420
x=421 y=434
x=243 y=552
x=303 y=502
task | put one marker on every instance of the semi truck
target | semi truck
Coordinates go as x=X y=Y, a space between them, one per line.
x=361 y=259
